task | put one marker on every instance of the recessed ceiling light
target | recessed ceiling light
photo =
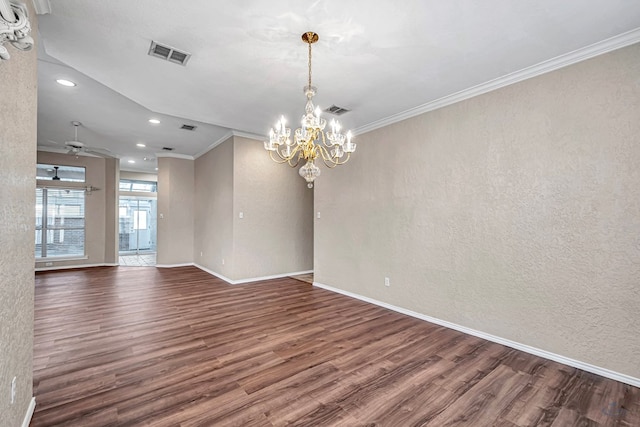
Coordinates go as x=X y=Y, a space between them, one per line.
x=131 y=161
x=141 y=145
x=64 y=82
x=154 y=121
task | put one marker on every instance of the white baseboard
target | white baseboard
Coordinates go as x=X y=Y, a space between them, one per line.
x=29 y=414
x=66 y=267
x=607 y=373
x=186 y=264
x=252 y=279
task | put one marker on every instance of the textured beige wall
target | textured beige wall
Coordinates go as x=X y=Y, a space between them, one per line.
x=515 y=213
x=175 y=211
x=214 y=209
x=100 y=206
x=111 y=230
x=276 y=234
x=18 y=103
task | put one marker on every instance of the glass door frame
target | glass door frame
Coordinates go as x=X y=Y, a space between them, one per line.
x=134 y=221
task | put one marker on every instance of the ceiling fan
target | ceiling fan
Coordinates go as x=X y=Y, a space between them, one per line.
x=76 y=147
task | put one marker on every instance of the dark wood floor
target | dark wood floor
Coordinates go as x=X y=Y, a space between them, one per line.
x=178 y=347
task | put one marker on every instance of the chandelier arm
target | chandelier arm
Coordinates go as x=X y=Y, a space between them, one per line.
x=293 y=165
x=330 y=161
x=324 y=141
x=326 y=157
x=280 y=160
x=338 y=163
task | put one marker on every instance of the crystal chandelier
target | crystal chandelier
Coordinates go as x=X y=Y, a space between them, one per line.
x=310 y=140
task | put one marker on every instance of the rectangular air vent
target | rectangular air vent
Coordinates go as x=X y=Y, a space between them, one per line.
x=167 y=148
x=168 y=53
x=334 y=109
x=188 y=127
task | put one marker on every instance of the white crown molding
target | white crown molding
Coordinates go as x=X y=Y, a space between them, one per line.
x=607 y=373
x=608 y=45
x=42 y=7
x=228 y=135
x=217 y=142
x=175 y=156
x=249 y=135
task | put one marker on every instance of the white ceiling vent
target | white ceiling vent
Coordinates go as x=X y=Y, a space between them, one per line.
x=168 y=53
x=334 y=109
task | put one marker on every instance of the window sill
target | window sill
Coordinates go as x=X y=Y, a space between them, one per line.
x=61 y=258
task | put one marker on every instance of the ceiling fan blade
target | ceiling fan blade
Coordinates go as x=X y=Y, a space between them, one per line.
x=104 y=150
x=98 y=151
x=98 y=154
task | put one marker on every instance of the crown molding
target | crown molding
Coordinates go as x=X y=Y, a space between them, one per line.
x=249 y=135
x=217 y=142
x=175 y=156
x=605 y=46
x=228 y=135
x=42 y=7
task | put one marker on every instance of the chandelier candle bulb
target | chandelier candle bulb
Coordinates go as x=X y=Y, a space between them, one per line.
x=309 y=141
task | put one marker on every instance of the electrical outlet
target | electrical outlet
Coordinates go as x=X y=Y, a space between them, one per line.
x=222 y=261
x=241 y=215
x=200 y=253
x=387 y=282
x=318 y=215
x=13 y=390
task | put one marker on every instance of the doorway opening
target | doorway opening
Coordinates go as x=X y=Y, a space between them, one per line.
x=138 y=226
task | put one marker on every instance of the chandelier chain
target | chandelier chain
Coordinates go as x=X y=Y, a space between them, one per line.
x=309 y=64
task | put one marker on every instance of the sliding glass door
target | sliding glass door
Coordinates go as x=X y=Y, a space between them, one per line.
x=138 y=225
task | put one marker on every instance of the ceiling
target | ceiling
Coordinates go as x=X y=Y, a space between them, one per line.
x=379 y=59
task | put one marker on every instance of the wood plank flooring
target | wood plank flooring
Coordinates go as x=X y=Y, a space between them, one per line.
x=119 y=346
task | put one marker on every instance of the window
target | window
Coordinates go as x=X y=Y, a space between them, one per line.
x=60 y=173
x=59 y=222
x=138 y=186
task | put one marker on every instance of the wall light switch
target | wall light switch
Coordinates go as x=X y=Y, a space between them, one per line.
x=318 y=215
x=241 y=215
x=161 y=216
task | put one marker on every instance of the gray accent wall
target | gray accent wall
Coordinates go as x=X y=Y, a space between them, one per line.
x=18 y=108
x=515 y=213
